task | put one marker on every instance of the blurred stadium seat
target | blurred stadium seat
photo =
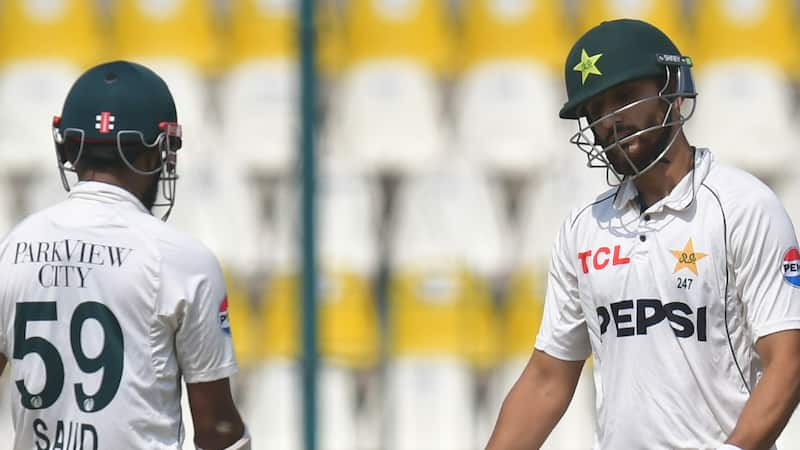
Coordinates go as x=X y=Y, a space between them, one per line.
x=387 y=108
x=349 y=339
x=35 y=76
x=441 y=321
x=388 y=116
x=442 y=212
x=449 y=95
x=417 y=30
x=7 y=216
x=746 y=55
x=273 y=404
x=430 y=404
x=6 y=424
x=668 y=15
x=788 y=189
x=258 y=94
x=508 y=90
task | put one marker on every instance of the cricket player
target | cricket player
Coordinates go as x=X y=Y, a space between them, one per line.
x=682 y=281
x=104 y=308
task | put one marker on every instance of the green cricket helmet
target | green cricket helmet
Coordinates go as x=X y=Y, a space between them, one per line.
x=616 y=52
x=117 y=109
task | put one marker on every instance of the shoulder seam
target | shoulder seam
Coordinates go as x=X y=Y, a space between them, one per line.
x=590 y=205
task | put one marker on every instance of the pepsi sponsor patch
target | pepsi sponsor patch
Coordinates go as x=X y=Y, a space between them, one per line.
x=791 y=267
x=224 y=322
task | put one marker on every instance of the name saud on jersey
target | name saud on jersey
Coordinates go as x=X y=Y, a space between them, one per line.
x=65 y=435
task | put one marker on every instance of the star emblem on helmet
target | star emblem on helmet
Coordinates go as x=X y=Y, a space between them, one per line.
x=588 y=65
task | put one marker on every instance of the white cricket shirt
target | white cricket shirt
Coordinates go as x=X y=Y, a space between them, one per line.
x=670 y=302
x=103 y=307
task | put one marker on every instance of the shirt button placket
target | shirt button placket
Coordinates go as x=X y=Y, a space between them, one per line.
x=642 y=233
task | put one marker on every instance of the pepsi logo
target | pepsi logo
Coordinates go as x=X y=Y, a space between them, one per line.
x=224 y=323
x=791 y=267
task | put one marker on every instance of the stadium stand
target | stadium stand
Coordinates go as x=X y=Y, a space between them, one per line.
x=668 y=15
x=441 y=323
x=34 y=79
x=509 y=86
x=450 y=101
x=746 y=56
x=349 y=340
x=387 y=109
x=258 y=94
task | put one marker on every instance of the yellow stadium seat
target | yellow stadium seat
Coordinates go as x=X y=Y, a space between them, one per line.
x=65 y=30
x=165 y=29
x=511 y=59
x=516 y=29
x=330 y=38
x=398 y=29
x=747 y=54
x=261 y=30
x=244 y=323
x=667 y=15
x=442 y=314
x=748 y=30
x=348 y=328
x=258 y=94
x=44 y=46
x=280 y=312
x=522 y=312
x=268 y=30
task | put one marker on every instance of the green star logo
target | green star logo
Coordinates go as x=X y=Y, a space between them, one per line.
x=588 y=65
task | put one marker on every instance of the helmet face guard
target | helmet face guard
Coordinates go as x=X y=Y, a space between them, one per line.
x=167 y=143
x=679 y=107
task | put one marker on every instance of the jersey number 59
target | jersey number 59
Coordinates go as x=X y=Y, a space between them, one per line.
x=110 y=357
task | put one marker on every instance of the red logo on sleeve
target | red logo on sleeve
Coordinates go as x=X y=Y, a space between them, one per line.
x=224 y=323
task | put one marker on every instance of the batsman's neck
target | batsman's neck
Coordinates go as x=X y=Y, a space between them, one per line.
x=659 y=181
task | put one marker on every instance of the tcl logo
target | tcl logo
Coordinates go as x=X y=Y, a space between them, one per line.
x=601 y=258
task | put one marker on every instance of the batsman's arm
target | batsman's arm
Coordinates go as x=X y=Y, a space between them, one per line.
x=217 y=424
x=775 y=397
x=535 y=403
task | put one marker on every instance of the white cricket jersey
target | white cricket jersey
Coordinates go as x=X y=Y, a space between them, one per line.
x=103 y=307
x=670 y=302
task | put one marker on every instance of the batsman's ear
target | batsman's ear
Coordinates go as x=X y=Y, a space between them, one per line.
x=58 y=140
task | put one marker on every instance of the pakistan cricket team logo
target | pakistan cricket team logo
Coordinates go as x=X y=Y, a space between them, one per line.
x=687 y=258
x=588 y=65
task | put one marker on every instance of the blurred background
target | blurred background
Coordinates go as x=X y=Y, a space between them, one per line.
x=444 y=174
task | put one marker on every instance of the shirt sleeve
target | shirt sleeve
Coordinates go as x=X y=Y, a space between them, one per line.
x=765 y=263
x=203 y=340
x=563 y=332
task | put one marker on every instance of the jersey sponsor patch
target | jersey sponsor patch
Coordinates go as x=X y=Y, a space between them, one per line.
x=224 y=323
x=791 y=266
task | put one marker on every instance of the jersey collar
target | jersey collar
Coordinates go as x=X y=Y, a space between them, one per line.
x=682 y=194
x=106 y=193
